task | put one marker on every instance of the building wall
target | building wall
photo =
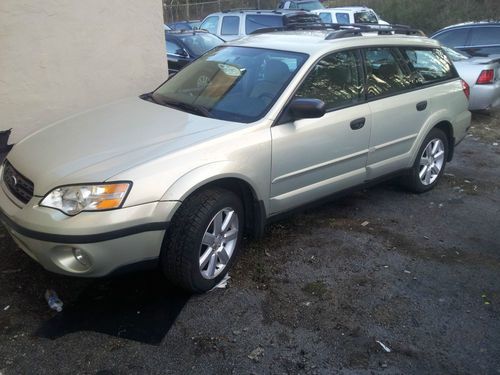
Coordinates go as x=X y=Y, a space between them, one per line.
x=58 y=57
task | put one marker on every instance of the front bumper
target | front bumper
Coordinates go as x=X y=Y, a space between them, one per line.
x=108 y=240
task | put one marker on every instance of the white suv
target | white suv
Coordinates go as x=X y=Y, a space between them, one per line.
x=234 y=24
x=349 y=15
x=176 y=177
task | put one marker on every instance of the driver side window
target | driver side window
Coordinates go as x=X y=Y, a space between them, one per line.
x=336 y=80
x=210 y=24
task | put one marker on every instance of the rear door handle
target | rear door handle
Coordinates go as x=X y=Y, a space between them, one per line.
x=358 y=123
x=422 y=105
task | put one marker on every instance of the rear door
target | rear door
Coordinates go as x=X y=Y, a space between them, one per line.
x=398 y=111
x=403 y=95
x=312 y=158
x=484 y=41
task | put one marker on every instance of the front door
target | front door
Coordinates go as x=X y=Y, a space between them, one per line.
x=312 y=158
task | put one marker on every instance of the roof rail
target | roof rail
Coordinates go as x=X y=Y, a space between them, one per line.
x=241 y=10
x=344 y=33
x=341 y=30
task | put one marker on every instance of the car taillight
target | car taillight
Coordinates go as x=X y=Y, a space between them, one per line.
x=466 y=88
x=486 y=77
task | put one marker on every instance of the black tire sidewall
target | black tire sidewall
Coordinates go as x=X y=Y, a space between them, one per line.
x=181 y=253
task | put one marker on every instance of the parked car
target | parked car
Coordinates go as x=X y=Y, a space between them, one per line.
x=185 y=46
x=185 y=25
x=349 y=15
x=234 y=24
x=475 y=38
x=300 y=4
x=483 y=76
x=176 y=177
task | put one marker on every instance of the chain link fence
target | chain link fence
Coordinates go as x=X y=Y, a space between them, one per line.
x=174 y=10
x=428 y=15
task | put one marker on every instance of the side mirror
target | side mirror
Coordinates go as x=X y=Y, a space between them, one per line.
x=307 y=108
x=181 y=52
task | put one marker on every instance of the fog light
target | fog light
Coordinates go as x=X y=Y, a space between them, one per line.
x=81 y=257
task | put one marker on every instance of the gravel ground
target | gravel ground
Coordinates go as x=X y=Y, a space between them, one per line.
x=418 y=273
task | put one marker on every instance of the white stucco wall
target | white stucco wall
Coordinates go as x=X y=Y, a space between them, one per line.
x=61 y=57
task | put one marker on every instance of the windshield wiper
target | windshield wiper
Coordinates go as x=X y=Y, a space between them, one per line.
x=149 y=97
x=192 y=108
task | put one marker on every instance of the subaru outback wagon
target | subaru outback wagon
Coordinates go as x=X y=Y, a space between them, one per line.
x=176 y=177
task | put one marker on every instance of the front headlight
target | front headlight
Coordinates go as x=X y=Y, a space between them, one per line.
x=74 y=199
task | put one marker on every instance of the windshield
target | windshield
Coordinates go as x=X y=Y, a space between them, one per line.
x=200 y=43
x=231 y=83
x=365 y=17
x=310 y=5
x=455 y=55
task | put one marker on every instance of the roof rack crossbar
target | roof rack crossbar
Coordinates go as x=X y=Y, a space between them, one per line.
x=343 y=33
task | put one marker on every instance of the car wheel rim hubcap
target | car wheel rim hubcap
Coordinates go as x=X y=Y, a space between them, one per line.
x=218 y=243
x=431 y=161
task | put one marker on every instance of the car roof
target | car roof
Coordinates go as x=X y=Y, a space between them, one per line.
x=353 y=9
x=313 y=42
x=472 y=24
x=278 y=12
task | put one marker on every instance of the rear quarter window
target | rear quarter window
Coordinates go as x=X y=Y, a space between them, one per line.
x=484 y=36
x=261 y=21
x=428 y=65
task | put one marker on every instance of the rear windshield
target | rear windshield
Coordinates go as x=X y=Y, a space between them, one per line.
x=365 y=17
x=231 y=83
x=262 y=21
x=200 y=43
x=310 y=5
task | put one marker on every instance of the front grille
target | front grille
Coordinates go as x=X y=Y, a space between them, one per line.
x=20 y=186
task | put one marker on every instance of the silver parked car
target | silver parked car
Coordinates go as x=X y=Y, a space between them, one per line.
x=483 y=76
x=176 y=177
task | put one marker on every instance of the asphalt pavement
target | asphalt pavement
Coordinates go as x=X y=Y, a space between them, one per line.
x=379 y=282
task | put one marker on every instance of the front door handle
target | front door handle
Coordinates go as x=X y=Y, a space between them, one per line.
x=422 y=105
x=358 y=123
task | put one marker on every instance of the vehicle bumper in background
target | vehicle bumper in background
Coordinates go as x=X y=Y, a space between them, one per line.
x=485 y=96
x=106 y=241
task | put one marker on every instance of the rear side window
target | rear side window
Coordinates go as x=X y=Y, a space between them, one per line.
x=325 y=17
x=453 y=38
x=210 y=24
x=428 y=65
x=336 y=80
x=261 y=21
x=342 y=18
x=484 y=35
x=385 y=73
x=230 y=25
x=365 y=17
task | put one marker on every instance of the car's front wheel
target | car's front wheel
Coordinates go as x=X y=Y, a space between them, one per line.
x=203 y=239
x=430 y=162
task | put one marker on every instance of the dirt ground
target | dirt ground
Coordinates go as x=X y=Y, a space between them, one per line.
x=418 y=273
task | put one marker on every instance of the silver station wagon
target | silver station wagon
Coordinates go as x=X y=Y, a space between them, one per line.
x=252 y=129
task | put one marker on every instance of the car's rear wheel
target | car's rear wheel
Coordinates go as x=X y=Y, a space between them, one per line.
x=203 y=239
x=430 y=162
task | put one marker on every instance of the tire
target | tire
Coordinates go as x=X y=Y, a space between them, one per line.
x=198 y=250
x=429 y=164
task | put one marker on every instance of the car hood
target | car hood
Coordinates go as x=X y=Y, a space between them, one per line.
x=98 y=144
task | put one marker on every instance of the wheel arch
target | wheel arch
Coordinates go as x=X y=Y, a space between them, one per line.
x=200 y=179
x=447 y=128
